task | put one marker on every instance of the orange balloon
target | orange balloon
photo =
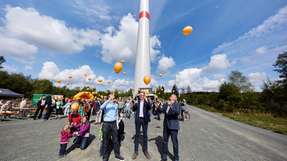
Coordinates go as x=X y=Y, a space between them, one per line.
x=75 y=107
x=147 y=79
x=118 y=67
x=187 y=30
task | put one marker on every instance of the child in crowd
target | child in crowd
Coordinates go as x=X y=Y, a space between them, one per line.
x=121 y=128
x=65 y=135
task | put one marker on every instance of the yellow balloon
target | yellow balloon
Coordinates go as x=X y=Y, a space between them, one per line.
x=75 y=107
x=118 y=67
x=147 y=79
x=187 y=30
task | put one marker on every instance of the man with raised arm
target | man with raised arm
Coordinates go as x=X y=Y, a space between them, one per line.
x=171 y=111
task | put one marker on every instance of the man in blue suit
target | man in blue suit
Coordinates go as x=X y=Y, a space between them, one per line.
x=171 y=110
x=142 y=118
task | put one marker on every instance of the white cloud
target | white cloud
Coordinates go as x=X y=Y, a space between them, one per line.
x=29 y=25
x=16 y=48
x=25 y=30
x=217 y=62
x=257 y=79
x=165 y=63
x=265 y=38
x=122 y=84
x=199 y=79
x=194 y=78
x=9 y=68
x=49 y=71
x=91 y=9
x=78 y=77
x=272 y=23
x=261 y=50
x=121 y=44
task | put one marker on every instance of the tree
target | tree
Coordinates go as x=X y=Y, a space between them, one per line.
x=16 y=82
x=281 y=67
x=240 y=81
x=2 y=60
x=159 y=91
x=274 y=94
x=274 y=98
x=229 y=97
x=182 y=90
x=174 y=90
x=42 y=86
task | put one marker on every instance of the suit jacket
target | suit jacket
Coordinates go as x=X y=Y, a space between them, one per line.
x=146 y=109
x=171 y=118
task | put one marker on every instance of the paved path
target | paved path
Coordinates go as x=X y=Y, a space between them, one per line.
x=206 y=137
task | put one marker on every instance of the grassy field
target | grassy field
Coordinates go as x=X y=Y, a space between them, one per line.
x=262 y=120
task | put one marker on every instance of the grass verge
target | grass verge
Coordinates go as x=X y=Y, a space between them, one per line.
x=262 y=120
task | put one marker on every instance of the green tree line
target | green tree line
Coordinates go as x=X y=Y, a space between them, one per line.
x=237 y=94
x=26 y=85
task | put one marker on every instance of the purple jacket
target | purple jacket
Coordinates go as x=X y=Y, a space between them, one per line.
x=84 y=129
x=64 y=137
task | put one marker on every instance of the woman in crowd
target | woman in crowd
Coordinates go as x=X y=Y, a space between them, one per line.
x=83 y=134
x=67 y=107
x=59 y=105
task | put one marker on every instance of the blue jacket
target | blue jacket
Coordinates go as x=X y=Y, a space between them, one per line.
x=171 y=118
x=146 y=109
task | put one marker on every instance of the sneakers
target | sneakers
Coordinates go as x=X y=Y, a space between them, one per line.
x=147 y=155
x=119 y=157
x=135 y=155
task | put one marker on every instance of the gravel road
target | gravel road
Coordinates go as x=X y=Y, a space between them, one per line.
x=205 y=137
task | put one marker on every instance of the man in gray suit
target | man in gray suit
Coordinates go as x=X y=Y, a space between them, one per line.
x=171 y=110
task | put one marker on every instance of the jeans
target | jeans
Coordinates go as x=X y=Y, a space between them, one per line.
x=82 y=142
x=166 y=134
x=110 y=130
x=62 y=150
x=141 y=123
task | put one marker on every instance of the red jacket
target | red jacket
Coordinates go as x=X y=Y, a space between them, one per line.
x=74 y=118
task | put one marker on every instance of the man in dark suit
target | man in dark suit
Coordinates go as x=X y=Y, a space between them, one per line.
x=142 y=118
x=171 y=110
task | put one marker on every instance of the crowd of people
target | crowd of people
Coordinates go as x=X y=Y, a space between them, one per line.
x=17 y=107
x=109 y=113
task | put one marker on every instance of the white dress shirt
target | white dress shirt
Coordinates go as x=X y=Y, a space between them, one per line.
x=141 y=109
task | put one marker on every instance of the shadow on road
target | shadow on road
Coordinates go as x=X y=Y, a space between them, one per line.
x=159 y=144
x=74 y=146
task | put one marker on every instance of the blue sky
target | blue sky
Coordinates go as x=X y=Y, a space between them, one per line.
x=57 y=39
